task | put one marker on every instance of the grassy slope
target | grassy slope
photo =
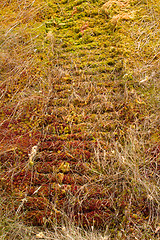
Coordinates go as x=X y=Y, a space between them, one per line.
x=80 y=79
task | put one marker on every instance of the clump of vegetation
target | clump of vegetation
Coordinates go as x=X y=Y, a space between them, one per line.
x=79 y=119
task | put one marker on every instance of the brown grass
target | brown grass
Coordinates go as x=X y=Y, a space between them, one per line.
x=88 y=104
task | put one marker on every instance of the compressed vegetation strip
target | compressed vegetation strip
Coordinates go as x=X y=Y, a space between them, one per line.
x=71 y=93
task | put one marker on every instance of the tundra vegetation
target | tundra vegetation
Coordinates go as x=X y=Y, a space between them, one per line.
x=79 y=119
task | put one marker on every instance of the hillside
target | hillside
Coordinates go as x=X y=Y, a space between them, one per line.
x=79 y=119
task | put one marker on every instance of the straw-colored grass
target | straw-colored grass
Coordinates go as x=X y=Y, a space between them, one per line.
x=79 y=119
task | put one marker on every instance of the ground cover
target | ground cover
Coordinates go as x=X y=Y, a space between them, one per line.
x=79 y=137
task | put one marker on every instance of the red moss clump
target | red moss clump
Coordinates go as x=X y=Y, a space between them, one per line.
x=52 y=146
x=41 y=178
x=42 y=190
x=45 y=167
x=77 y=144
x=26 y=142
x=74 y=179
x=40 y=203
x=8 y=157
x=22 y=178
x=95 y=204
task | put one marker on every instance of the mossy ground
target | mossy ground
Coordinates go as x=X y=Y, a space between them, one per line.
x=80 y=80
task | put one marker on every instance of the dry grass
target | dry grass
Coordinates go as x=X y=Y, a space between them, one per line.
x=90 y=102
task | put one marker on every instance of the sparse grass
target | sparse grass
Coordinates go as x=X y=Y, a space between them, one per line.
x=79 y=80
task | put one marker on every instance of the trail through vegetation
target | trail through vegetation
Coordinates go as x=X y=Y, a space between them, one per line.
x=79 y=118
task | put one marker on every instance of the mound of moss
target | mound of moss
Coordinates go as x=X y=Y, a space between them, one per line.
x=79 y=86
